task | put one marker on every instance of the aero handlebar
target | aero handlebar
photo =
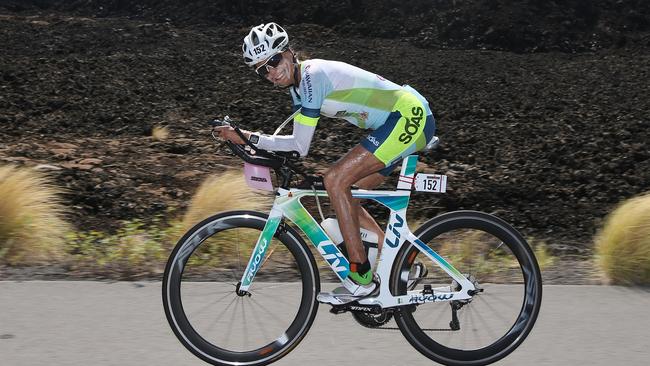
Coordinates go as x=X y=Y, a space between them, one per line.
x=281 y=162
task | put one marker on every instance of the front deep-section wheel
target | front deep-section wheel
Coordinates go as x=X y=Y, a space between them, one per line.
x=225 y=326
x=500 y=314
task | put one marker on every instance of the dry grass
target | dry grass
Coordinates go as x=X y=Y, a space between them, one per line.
x=140 y=250
x=217 y=193
x=136 y=250
x=32 y=227
x=223 y=192
x=623 y=245
x=542 y=253
x=476 y=252
x=160 y=133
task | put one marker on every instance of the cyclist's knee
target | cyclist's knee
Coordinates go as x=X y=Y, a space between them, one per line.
x=335 y=180
x=327 y=180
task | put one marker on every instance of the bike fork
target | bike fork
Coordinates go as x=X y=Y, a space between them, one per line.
x=259 y=252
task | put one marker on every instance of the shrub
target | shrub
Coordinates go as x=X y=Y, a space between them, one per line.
x=479 y=253
x=623 y=245
x=138 y=250
x=135 y=250
x=217 y=193
x=227 y=191
x=32 y=227
x=542 y=253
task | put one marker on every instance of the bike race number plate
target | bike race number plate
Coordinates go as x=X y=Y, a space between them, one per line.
x=431 y=183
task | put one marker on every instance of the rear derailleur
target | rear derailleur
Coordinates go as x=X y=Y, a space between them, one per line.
x=456 y=305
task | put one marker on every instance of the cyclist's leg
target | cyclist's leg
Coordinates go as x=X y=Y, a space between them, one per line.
x=357 y=164
x=407 y=130
x=366 y=220
x=402 y=134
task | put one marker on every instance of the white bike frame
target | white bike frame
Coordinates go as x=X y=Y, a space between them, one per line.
x=287 y=205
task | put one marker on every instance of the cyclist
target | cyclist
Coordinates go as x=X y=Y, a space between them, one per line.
x=398 y=117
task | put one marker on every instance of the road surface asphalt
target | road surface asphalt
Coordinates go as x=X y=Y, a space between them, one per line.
x=123 y=323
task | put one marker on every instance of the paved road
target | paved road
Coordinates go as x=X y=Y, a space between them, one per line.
x=99 y=324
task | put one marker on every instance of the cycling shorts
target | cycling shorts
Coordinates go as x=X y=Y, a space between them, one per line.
x=407 y=129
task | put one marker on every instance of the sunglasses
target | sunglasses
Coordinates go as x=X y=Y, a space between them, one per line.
x=273 y=61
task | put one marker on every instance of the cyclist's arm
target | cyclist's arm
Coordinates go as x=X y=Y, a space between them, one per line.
x=299 y=140
x=315 y=86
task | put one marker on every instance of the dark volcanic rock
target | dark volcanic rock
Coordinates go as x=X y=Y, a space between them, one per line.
x=514 y=25
x=550 y=141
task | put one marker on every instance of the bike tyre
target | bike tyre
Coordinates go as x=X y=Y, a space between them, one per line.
x=525 y=320
x=209 y=352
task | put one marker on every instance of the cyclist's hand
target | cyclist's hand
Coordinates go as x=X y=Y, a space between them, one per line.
x=228 y=133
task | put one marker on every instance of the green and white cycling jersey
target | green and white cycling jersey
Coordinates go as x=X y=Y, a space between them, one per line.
x=339 y=90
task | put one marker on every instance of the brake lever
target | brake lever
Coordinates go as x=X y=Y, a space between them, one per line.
x=248 y=148
x=226 y=121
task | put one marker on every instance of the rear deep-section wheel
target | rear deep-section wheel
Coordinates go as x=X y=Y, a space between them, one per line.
x=498 y=317
x=225 y=326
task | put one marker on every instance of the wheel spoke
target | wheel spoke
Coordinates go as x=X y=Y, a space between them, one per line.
x=486 y=326
x=219 y=322
x=500 y=301
x=257 y=319
x=486 y=250
x=269 y=313
x=211 y=304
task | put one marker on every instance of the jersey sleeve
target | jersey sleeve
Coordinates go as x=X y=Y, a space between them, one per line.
x=314 y=87
x=299 y=140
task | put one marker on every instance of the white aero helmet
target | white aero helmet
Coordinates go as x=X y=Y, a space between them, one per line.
x=264 y=41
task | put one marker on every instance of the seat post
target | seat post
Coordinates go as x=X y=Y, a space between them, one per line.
x=407 y=173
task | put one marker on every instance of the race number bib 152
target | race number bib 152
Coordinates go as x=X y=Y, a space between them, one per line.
x=431 y=183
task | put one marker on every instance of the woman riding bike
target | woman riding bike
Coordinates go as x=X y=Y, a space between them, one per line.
x=398 y=117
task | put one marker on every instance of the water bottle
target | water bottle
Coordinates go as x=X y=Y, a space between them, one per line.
x=369 y=239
